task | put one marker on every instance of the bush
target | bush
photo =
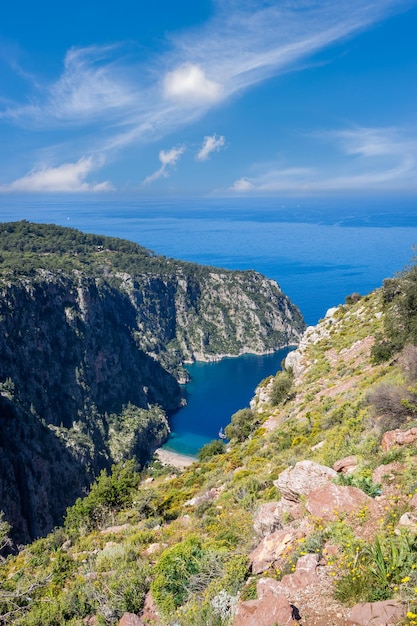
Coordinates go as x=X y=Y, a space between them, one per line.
x=243 y=423
x=394 y=402
x=173 y=573
x=281 y=387
x=108 y=495
x=213 y=448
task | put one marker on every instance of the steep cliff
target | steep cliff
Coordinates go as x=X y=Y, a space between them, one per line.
x=93 y=333
x=307 y=515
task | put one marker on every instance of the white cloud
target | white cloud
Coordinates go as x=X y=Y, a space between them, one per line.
x=242 y=185
x=210 y=144
x=168 y=159
x=90 y=85
x=372 y=159
x=69 y=177
x=189 y=84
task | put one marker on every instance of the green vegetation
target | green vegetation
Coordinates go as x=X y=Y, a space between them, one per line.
x=187 y=536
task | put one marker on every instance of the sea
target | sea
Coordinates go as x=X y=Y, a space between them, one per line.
x=319 y=251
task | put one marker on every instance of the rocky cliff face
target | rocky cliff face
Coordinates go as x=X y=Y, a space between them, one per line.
x=93 y=332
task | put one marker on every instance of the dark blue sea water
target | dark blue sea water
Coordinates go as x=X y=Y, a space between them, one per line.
x=318 y=251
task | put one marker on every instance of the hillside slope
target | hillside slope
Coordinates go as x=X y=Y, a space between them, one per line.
x=93 y=334
x=308 y=514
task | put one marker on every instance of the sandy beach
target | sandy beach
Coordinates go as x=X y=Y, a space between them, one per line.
x=175 y=459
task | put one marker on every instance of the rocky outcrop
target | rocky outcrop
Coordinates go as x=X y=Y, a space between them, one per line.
x=332 y=500
x=398 y=437
x=384 y=613
x=302 y=479
x=272 y=548
x=270 y=608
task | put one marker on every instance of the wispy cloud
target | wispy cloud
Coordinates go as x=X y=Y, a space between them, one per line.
x=68 y=177
x=168 y=159
x=110 y=99
x=372 y=159
x=211 y=143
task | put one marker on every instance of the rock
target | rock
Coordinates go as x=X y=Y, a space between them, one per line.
x=302 y=479
x=304 y=575
x=271 y=608
x=271 y=548
x=130 y=619
x=114 y=529
x=155 y=547
x=318 y=445
x=398 y=437
x=408 y=521
x=270 y=516
x=347 y=465
x=382 y=613
x=150 y=612
x=331 y=312
x=386 y=473
x=327 y=502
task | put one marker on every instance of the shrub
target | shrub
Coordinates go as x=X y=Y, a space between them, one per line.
x=243 y=423
x=108 y=495
x=173 y=573
x=281 y=387
x=213 y=448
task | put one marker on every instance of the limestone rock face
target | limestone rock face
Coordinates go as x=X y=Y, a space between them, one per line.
x=302 y=479
x=384 y=613
x=93 y=334
x=327 y=502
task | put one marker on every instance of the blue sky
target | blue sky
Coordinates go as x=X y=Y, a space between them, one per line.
x=224 y=97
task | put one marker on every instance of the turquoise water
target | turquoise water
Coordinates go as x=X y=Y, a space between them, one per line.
x=318 y=251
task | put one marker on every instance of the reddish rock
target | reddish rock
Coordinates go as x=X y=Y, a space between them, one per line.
x=387 y=473
x=398 y=437
x=267 y=611
x=150 y=612
x=347 y=465
x=328 y=502
x=382 y=613
x=304 y=575
x=302 y=479
x=130 y=619
x=271 y=548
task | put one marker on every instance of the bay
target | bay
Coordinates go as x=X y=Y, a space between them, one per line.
x=216 y=391
x=318 y=251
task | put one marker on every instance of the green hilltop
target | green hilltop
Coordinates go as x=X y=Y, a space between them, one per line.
x=247 y=526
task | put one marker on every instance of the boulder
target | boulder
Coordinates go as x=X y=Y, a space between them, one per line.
x=271 y=548
x=386 y=473
x=271 y=516
x=327 y=502
x=407 y=521
x=302 y=479
x=304 y=575
x=383 y=613
x=347 y=465
x=398 y=437
x=271 y=607
x=130 y=619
